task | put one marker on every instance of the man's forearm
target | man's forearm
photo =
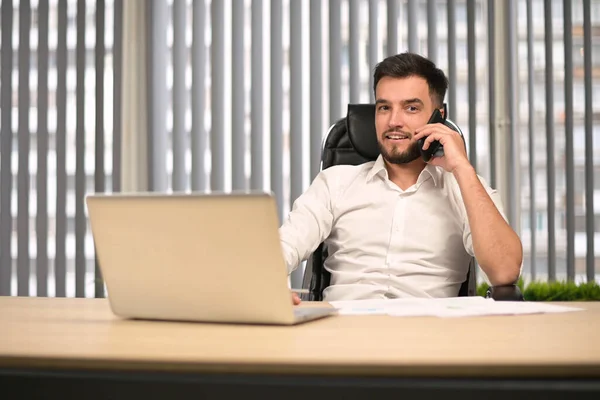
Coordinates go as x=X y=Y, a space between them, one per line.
x=290 y=254
x=497 y=247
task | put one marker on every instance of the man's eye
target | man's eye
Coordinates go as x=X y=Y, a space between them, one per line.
x=412 y=109
x=382 y=108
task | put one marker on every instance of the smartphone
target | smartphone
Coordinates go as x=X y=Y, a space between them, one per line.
x=435 y=148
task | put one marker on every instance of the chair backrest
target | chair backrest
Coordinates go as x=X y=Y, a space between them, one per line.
x=353 y=141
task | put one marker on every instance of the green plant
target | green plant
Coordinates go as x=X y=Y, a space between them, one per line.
x=554 y=291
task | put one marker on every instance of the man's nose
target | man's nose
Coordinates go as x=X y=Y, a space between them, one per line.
x=395 y=119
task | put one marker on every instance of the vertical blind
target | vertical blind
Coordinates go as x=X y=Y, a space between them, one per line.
x=242 y=93
x=60 y=78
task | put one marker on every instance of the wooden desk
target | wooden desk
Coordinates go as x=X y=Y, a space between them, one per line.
x=57 y=344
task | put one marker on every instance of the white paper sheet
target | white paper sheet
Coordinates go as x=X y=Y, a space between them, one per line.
x=446 y=307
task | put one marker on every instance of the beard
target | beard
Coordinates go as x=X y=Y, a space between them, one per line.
x=394 y=156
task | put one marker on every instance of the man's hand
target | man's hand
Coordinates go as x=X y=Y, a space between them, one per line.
x=295 y=299
x=455 y=155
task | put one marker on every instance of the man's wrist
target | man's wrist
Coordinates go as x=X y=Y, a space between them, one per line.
x=463 y=169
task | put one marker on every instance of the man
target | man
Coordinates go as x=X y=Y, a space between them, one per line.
x=400 y=227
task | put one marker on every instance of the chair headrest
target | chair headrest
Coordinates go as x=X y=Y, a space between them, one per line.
x=360 y=125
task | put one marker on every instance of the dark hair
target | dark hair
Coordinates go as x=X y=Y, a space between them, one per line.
x=411 y=64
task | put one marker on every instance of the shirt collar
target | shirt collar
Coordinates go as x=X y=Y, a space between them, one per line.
x=378 y=168
x=434 y=172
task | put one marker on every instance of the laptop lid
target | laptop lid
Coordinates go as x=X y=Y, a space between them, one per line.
x=200 y=257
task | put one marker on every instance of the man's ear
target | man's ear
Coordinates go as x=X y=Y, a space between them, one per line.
x=444 y=111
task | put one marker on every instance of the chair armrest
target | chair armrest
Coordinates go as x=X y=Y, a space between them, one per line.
x=505 y=293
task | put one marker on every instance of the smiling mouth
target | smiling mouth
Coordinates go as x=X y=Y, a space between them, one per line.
x=396 y=136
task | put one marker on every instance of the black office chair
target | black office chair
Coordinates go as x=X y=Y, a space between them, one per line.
x=352 y=141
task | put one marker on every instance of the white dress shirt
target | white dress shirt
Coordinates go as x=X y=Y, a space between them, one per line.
x=383 y=242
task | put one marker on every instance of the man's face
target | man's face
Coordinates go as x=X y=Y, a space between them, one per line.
x=401 y=106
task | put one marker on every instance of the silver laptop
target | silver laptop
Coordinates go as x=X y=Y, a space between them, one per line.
x=194 y=257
